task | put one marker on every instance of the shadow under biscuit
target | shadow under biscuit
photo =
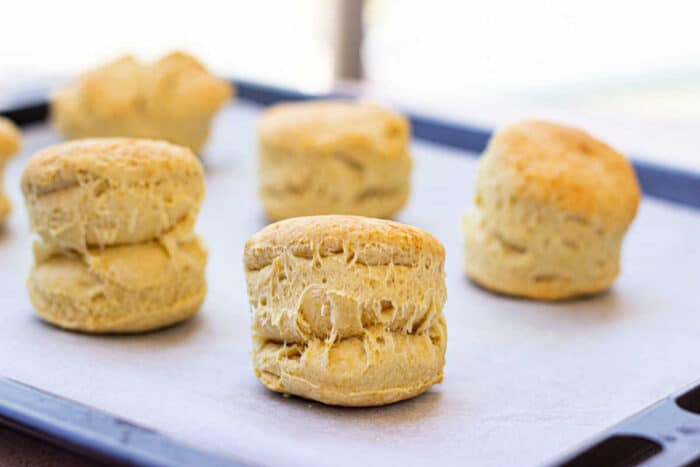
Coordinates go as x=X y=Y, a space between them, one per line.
x=519 y=298
x=406 y=411
x=596 y=309
x=214 y=166
x=173 y=334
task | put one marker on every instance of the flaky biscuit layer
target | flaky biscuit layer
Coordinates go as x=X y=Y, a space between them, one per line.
x=114 y=191
x=122 y=289
x=358 y=302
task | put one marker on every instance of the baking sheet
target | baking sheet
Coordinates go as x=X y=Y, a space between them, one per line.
x=524 y=381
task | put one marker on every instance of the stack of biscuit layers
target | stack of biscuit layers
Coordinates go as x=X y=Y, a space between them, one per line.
x=118 y=252
x=346 y=310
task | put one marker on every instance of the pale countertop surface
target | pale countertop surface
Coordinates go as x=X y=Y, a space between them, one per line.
x=524 y=381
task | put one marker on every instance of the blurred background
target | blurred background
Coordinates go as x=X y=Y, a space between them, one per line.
x=627 y=70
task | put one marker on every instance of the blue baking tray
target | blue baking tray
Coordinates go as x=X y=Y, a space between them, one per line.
x=667 y=433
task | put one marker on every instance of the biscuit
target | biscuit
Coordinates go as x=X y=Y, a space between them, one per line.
x=118 y=252
x=333 y=157
x=347 y=310
x=9 y=146
x=9 y=139
x=173 y=99
x=132 y=288
x=552 y=207
x=104 y=192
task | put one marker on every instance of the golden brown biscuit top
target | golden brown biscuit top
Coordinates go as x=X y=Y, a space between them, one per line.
x=9 y=138
x=362 y=240
x=178 y=85
x=122 y=160
x=175 y=86
x=335 y=125
x=555 y=164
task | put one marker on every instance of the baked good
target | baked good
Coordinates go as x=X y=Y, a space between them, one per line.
x=347 y=310
x=112 y=191
x=121 y=289
x=9 y=146
x=333 y=157
x=118 y=252
x=552 y=207
x=9 y=139
x=173 y=99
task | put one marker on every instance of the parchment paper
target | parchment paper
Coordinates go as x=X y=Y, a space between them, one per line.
x=524 y=381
